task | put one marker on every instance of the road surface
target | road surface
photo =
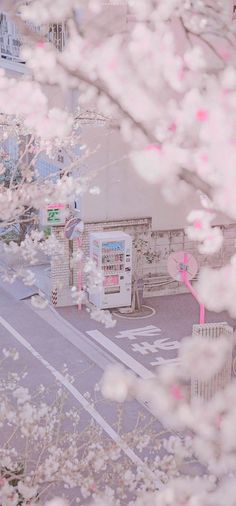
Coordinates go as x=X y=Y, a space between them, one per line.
x=48 y=339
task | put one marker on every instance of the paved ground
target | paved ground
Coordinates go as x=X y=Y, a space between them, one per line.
x=45 y=343
x=47 y=339
x=145 y=343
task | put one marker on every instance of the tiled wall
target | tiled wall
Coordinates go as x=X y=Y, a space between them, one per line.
x=151 y=251
x=60 y=271
x=162 y=243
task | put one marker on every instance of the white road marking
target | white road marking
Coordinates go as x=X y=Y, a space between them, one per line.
x=124 y=357
x=86 y=405
x=133 y=334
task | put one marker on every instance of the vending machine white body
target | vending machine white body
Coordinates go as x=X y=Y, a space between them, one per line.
x=112 y=254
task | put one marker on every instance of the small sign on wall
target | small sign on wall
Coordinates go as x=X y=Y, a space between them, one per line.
x=53 y=215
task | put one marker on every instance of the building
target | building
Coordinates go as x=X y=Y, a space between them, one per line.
x=125 y=202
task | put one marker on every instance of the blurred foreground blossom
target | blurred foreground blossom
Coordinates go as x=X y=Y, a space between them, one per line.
x=217 y=288
x=203 y=356
x=117 y=383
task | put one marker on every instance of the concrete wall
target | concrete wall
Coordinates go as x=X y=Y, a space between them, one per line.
x=124 y=194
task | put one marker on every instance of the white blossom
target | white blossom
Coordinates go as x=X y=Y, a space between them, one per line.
x=117 y=383
x=57 y=501
x=217 y=289
x=195 y=59
x=26 y=491
x=166 y=77
x=22 y=395
x=211 y=238
x=44 y=11
x=204 y=357
x=103 y=316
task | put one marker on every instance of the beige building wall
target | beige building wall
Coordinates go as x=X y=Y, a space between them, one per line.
x=123 y=193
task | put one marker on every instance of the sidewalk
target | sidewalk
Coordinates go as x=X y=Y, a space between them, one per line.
x=42 y=275
x=18 y=289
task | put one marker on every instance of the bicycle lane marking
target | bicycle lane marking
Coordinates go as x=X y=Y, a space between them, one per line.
x=125 y=357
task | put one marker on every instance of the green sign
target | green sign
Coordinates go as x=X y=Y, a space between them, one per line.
x=53 y=216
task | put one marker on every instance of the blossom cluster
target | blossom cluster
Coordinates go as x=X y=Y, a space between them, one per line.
x=168 y=396
x=172 y=91
x=166 y=73
x=46 y=448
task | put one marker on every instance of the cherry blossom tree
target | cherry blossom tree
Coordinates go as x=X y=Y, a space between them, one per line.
x=47 y=448
x=209 y=426
x=164 y=72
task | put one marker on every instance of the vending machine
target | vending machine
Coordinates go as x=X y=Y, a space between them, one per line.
x=112 y=254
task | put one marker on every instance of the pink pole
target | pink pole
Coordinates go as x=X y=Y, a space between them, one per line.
x=79 y=272
x=187 y=283
x=202 y=314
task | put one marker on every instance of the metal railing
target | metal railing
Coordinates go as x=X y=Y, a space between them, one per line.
x=206 y=389
x=10 y=39
x=57 y=35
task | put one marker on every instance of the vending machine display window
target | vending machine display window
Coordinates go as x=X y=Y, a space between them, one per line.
x=111 y=280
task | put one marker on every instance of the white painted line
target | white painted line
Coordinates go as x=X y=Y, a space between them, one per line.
x=81 y=399
x=65 y=329
x=124 y=357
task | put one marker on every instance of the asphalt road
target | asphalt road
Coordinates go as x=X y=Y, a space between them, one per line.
x=48 y=339
x=46 y=343
x=143 y=344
